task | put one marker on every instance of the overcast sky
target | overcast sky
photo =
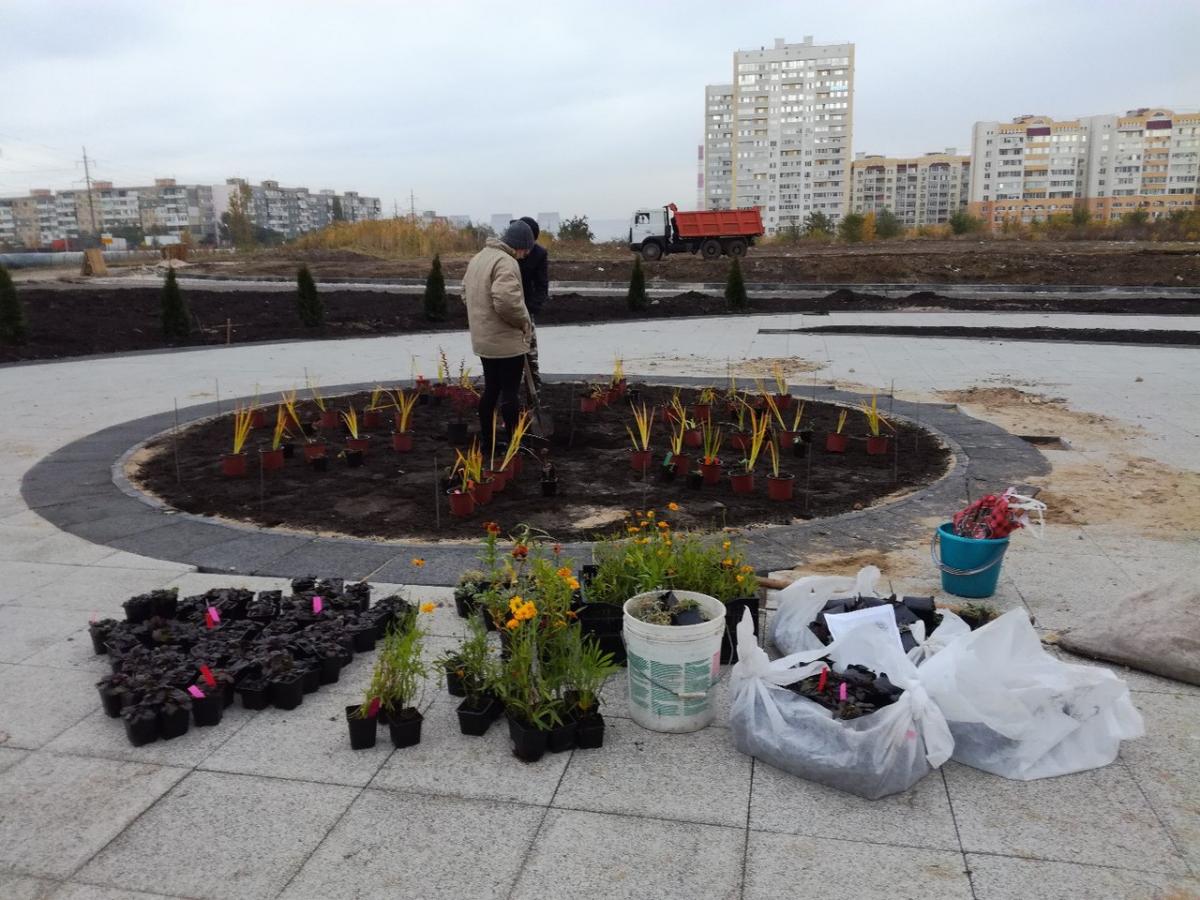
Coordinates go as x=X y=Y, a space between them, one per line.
x=579 y=107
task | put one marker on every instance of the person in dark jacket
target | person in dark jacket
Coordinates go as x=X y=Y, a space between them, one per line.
x=535 y=281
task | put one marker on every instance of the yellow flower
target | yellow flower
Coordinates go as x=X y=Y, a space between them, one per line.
x=525 y=612
x=649 y=514
x=747 y=569
x=512 y=624
x=515 y=603
x=740 y=579
x=633 y=529
x=418 y=562
x=573 y=583
x=673 y=506
x=564 y=572
x=428 y=607
x=726 y=545
x=727 y=562
x=664 y=525
x=667 y=543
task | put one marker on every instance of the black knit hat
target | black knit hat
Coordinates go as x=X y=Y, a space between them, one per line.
x=518 y=235
x=533 y=225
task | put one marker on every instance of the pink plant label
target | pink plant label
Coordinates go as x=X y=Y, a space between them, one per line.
x=214 y=615
x=196 y=692
x=842 y=692
x=318 y=605
x=373 y=709
x=94 y=619
x=821 y=681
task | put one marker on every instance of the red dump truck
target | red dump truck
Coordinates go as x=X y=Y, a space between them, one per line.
x=711 y=233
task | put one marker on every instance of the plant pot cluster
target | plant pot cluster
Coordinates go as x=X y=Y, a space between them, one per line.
x=173 y=657
x=853 y=693
x=907 y=610
x=876 y=445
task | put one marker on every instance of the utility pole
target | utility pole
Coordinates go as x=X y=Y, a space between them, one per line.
x=412 y=205
x=87 y=174
x=395 y=209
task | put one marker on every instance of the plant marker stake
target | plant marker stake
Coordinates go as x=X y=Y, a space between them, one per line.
x=207 y=675
x=437 y=503
x=228 y=332
x=842 y=692
x=217 y=384
x=208 y=619
x=821 y=681
x=317 y=606
x=262 y=484
x=195 y=692
x=175 y=442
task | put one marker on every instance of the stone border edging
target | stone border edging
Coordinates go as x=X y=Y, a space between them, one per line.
x=81 y=490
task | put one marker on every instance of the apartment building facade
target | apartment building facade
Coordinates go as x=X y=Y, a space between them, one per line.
x=779 y=136
x=919 y=190
x=1035 y=166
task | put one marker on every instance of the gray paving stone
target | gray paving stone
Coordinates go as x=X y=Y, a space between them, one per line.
x=247 y=552
x=60 y=810
x=90 y=590
x=75 y=890
x=71 y=652
x=98 y=735
x=1094 y=586
x=919 y=817
x=783 y=865
x=1166 y=765
x=10 y=756
x=25 y=631
x=640 y=772
x=25 y=887
x=1006 y=878
x=245 y=837
x=309 y=743
x=452 y=763
x=40 y=703
x=584 y=855
x=1098 y=817
x=409 y=845
x=328 y=558
x=174 y=540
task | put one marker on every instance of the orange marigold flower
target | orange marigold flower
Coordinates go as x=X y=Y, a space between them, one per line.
x=428 y=607
x=512 y=624
x=673 y=506
x=664 y=524
x=520 y=551
x=418 y=562
x=492 y=527
x=727 y=562
x=573 y=583
x=564 y=572
x=633 y=529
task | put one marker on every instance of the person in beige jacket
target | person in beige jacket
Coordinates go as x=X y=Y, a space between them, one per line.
x=499 y=323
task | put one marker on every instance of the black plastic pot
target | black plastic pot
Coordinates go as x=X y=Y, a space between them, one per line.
x=141 y=726
x=365 y=636
x=475 y=719
x=112 y=700
x=529 y=743
x=800 y=448
x=695 y=479
x=310 y=680
x=289 y=449
x=589 y=732
x=319 y=463
x=331 y=669
x=138 y=609
x=604 y=622
x=173 y=723
x=550 y=488
x=454 y=684
x=207 y=710
x=287 y=691
x=561 y=737
x=254 y=695
x=464 y=606
x=362 y=731
x=733 y=614
x=354 y=458
x=456 y=433
x=405 y=727
x=99 y=632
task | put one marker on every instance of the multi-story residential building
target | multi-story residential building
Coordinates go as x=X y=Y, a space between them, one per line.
x=789 y=131
x=919 y=190
x=1036 y=167
x=294 y=211
x=8 y=225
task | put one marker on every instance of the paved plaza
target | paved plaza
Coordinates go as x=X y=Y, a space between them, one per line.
x=275 y=804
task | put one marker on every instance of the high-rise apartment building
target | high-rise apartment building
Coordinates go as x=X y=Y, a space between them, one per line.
x=1035 y=166
x=919 y=190
x=779 y=136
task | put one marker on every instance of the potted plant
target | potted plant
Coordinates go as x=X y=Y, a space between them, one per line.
x=511 y=463
x=549 y=476
x=398 y=680
x=878 y=443
x=521 y=684
x=272 y=459
x=779 y=485
x=743 y=482
x=356 y=442
x=373 y=412
x=739 y=438
x=233 y=465
x=471 y=462
x=141 y=723
x=402 y=441
x=477 y=672
x=326 y=418
x=587 y=668
x=639 y=458
x=462 y=498
x=783 y=398
x=207 y=708
x=285 y=681
x=710 y=461
x=702 y=409
x=362 y=720
x=619 y=382
x=835 y=441
x=676 y=462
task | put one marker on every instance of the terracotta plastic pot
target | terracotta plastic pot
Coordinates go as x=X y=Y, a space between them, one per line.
x=482 y=492
x=518 y=465
x=784 y=402
x=780 y=488
x=362 y=444
x=258 y=418
x=702 y=412
x=693 y=438
x=314 y=451
x=441 y=390
x=711 y=472
x=233 y=465
x=683 y=464
x=270 y=460
x=835 y=443
x=588 y=404
x=739 y=440
x=878 y=446
x=329 y=419
x=402 y=441
x=498 y=479
x=372 y=418
x=639 y=460
x=785 y=438
x=461 y=504
x=742 y=483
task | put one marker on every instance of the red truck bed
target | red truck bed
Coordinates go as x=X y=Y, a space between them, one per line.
x=720 y=223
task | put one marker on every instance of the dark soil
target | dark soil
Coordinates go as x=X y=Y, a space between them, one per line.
x=1160 y=337
x=66 y=322
x=392 y=495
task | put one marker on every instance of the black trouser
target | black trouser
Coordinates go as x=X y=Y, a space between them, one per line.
x=501 y=382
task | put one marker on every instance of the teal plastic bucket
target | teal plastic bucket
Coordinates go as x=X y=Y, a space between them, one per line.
x=970 y=567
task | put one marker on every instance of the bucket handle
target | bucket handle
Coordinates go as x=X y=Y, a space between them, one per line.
x=961 y=573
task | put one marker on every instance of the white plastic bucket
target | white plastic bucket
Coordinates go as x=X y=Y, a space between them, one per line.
x=673 y=669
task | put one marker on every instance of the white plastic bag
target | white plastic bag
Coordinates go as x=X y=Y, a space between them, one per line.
x=801 y=601
x=1018 y=712
x=875 y=755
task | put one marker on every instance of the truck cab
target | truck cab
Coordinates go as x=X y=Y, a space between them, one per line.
x=657 y=231
x=648 y=223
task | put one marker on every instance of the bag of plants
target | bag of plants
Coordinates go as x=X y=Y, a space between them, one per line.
x=1018 y=712
x=882 y=752
x=805 y=606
